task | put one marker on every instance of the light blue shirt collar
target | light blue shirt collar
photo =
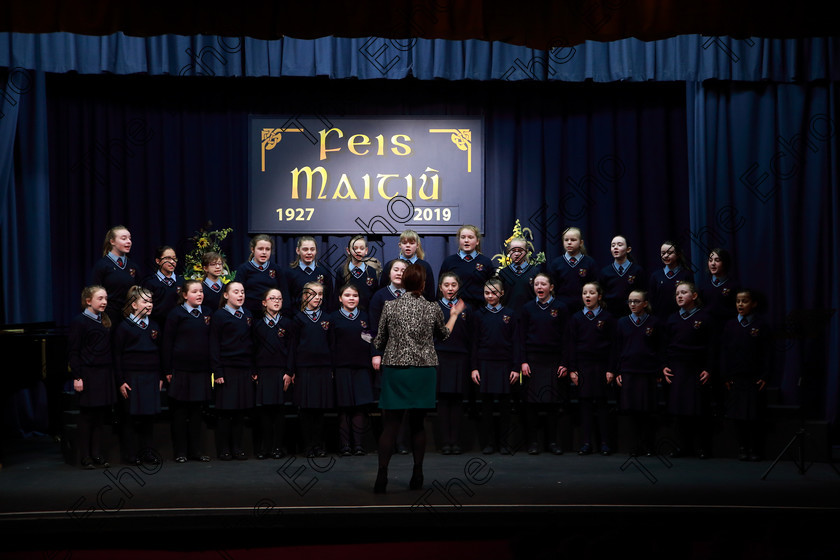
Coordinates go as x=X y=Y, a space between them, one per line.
x=347 y=313
x=462 y=254
x=595 y=312
x=114 y=258
x=95 y=316
x=190 y=308
x=162 y=277
x=231 y=310
x=257 y=265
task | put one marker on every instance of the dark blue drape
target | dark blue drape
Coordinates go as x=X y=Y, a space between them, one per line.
x=680 y=58
x=765 y=185
x=24 y=185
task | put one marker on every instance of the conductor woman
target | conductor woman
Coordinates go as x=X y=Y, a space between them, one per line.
x=407 y=329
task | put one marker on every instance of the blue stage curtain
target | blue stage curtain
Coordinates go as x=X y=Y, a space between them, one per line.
x=764 y=185
x=25 y=236
x=680 y=58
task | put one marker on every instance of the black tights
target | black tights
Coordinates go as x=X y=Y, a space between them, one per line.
x=352 y=424
x=590 y=411
x=186 y=427
x=450 y=411
x=391 y=420
x=89 y=431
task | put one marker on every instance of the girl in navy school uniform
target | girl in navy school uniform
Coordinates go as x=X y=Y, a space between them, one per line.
x=164 y=284
x=572 y=270
x=453 y=370
x=350 y=337
x=689 y=356
x=637 y=367
x=91 y=364
x=272 y=341
x=590 y=339
x=186 y=363
x=621 y=277
x=360 y=270
x=493 y=364
x=115 y=271
x=393 y=290
x=719 y=301
x=663 y=281
x=139 y=376
x=746 y=362
x=259 y=275
x=472 y=267
x=719 y=294
x=518 y=277
x=312 y=368
x=214 y=268
x=411 y=251
x=541 y=334
x=305 y=269
x=232 y=362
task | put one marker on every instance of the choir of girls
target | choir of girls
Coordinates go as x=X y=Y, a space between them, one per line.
x=299 y=337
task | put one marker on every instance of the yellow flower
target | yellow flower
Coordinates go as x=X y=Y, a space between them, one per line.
x=203 y=242
x=198 y=268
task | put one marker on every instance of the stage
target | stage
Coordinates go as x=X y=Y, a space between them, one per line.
x=472 y=505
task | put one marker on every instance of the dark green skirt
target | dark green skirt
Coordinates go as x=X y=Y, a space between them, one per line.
x=408 y=387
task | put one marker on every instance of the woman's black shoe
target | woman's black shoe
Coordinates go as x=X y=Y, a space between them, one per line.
x=416 y=482
x=381 y=481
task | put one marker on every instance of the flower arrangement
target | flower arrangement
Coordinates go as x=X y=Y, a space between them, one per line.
x=205 y=240
x=519 y=233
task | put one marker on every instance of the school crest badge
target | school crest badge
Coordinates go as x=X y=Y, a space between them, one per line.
x=649 y=331
x=132 y=271
x=463 y=315
x=754 y=331
x=154 y=334
x=281 y=332
x=582 y=272
x=271 y=273
x=320 y=278
x=600 y=325
x=325 y=325
x=370 y=281
x=631 y=279
x=248 y=320
x=506 y=318
x=207 y=319
x=725 y=291
x=698 y=324
x=479 y=267
x=553 y=312
x=363 y=325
